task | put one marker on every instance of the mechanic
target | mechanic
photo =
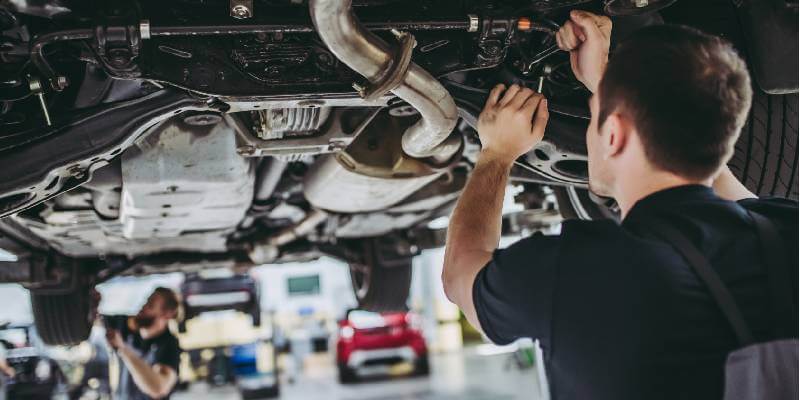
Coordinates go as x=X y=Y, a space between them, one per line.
x=618 y=311
x=148 y=351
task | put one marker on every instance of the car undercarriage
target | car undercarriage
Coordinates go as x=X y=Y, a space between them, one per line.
x=144 y=137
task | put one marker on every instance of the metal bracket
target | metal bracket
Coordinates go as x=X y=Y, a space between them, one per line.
x=332 y=139
x=118 y=47
x=396 y=71
x=495 y=38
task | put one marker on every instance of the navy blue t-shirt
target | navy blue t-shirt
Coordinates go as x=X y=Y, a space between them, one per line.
x=619 y=313
x=162 y=349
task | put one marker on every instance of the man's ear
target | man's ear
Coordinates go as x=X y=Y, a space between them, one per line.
x=615 y=133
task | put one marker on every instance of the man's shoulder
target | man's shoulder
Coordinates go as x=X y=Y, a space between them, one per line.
x=771 y=207
x=596 y=232
x=169 y=338
x=166 y=340
x=782 y=212
x=586 y=235
x=598 y=225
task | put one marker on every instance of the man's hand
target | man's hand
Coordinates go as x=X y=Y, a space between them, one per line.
x=587 y=37
x=8 y=370
x=114 y=339
x=509 y=126
x=94 y=300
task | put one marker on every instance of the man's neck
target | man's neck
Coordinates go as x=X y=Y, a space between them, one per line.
x=640 y=183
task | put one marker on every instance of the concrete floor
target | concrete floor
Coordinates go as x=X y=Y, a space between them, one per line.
x=465 y=375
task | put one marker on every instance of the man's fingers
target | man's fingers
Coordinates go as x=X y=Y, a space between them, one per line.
x=567 y=37
x=559 y=42
x=531 y=103
x=578 y=33
x=592 y=22
x=494 y=95
x=540 y=119
x=509 y=95
x=586 y=21
x=604 y=24
x=520 y=98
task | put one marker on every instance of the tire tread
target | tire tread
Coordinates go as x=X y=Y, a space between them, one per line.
x=765 y=157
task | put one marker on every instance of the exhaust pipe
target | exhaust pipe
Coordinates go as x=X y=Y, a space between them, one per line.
x=373 y=58
x=268 y=249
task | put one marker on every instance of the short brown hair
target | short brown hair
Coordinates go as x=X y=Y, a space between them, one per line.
x=171 y=302
x=688 y=94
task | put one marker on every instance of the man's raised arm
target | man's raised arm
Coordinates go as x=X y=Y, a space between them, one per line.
x=729 y=188
x=155 y=381
x=512 y=122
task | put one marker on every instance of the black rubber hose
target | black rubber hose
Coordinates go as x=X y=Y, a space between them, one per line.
x=37 y=52
x=218 y=30
x=40 y=62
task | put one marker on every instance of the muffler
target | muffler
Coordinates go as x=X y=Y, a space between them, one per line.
x=373 y=58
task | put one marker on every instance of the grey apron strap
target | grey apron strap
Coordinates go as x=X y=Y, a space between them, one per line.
x=778 y=277
x=699 y=263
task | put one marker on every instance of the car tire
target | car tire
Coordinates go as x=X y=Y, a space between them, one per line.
x=263 y=393
x=255 y=313
x=766 y=155
x=380 y=288
x=65 y=318
x=381 y=284
x=575 y=203
x=422 y=367
x=347 y=375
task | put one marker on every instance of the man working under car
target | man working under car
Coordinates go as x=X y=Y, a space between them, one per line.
x=619 y=312
x=148 y=351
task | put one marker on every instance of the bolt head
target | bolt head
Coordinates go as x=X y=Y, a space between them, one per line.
x=76 y=172
x=360 y=89
x=62 y=82
x=246 y=150
x=240 y=11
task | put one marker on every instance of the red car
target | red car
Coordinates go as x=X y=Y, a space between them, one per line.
x=373 y=342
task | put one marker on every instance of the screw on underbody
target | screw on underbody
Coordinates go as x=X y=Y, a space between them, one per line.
x=360 y=89
x=35 y=87
x=76 y=172
x=240 y=11
x=62 y=82
x=397 y=33
x=246 y=150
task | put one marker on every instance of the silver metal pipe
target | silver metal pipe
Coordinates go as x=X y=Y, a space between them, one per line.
x=372 y=57
x=314 y=218
x=268 y=249
x=268 y=176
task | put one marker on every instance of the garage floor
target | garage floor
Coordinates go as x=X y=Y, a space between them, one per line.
x=455 y=376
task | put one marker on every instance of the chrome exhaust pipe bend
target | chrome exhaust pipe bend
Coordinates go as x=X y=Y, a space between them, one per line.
x=373 y=58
